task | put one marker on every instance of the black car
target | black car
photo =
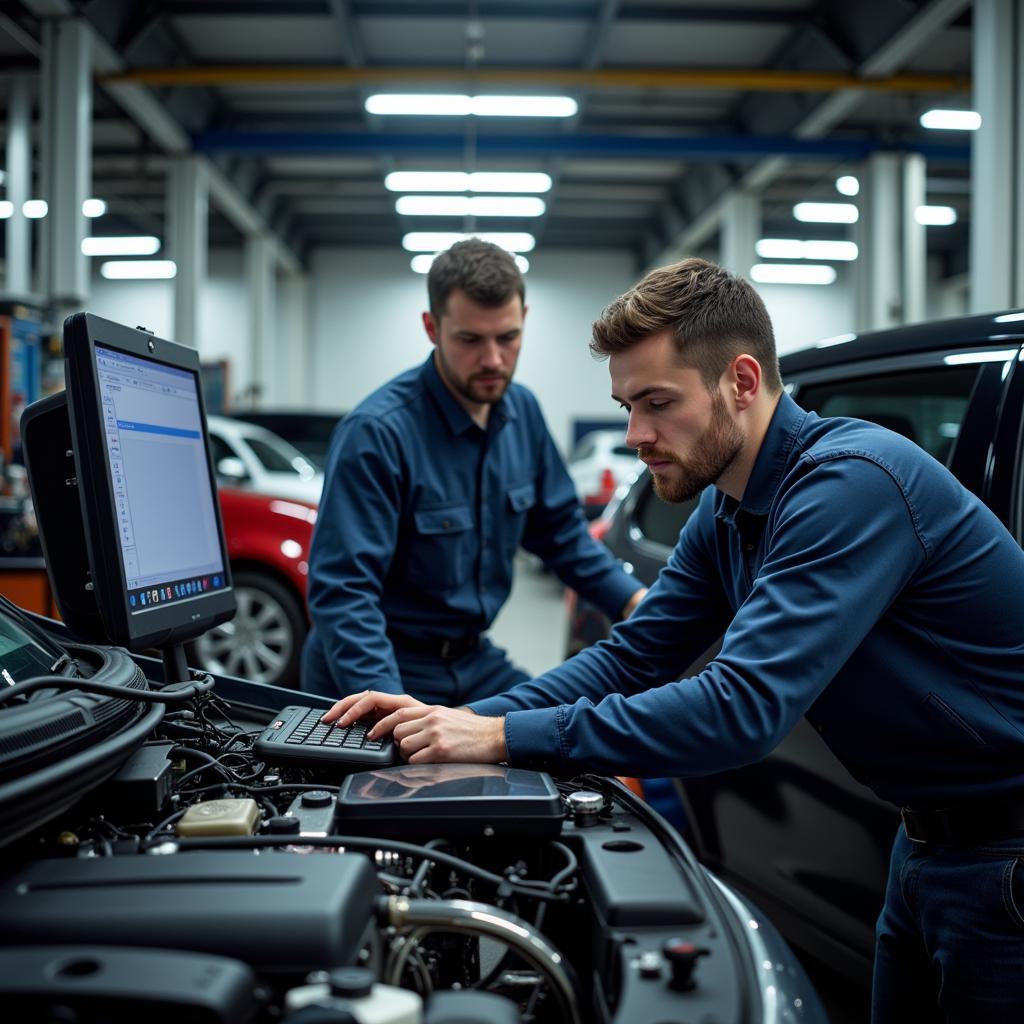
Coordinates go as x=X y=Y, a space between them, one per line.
x=310 y=432
x=796 y=832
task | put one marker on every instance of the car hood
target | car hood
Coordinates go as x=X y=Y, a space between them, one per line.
x=284 y=485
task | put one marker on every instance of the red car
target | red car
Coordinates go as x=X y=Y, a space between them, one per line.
x=268 y=544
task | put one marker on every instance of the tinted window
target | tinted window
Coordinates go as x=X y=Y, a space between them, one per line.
x=220 y=449
x=927 y=406
x=624 y=449
x=658 y=520
x=272 y=460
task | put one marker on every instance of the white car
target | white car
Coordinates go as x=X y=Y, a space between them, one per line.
x=253 y=459
x=600 y=461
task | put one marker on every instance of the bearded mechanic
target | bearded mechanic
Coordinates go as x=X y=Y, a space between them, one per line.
x=856 y=582
x=432 y=484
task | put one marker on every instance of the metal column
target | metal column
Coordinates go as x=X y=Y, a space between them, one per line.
x=913 y=250
x=188 y=204
x=295 y=350
x=741 y=228
x=260 y=278
x=66 y=158
x=878 y=301
x=18 y=183
x=997 y=161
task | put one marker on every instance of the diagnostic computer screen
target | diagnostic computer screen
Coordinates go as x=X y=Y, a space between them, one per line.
x=156 y=455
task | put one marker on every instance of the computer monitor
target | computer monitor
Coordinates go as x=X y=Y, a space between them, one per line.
x=156 y=563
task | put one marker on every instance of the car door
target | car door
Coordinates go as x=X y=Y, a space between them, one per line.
x=796 y=831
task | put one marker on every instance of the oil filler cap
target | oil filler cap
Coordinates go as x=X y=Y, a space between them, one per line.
x=351 y=982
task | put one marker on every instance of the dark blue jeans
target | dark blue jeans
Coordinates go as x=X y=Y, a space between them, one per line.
x=950 y=940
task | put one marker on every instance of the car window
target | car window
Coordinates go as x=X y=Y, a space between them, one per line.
x=220 y=449
x=273 y=459
x=926 y=405
x=582 y=451
x=624 y=449
x=660 y=521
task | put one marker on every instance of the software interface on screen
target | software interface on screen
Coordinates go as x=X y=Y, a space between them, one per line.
x=167 y=523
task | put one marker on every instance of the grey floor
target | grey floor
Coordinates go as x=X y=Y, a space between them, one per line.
x=532 y=625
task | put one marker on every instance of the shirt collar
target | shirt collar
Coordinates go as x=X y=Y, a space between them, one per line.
x=459 y=421
x=771 y=463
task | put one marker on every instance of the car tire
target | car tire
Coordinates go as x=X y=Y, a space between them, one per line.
x=263 y=642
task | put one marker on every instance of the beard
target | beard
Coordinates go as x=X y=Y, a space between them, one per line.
x=713 y=453
x=483 y=389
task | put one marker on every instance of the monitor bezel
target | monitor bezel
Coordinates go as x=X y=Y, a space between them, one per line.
x=159 y=626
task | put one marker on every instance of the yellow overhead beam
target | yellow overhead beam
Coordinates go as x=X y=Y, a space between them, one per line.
x=601 y=78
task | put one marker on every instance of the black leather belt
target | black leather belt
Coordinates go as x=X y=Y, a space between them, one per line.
x=965 y=824
x=448 y=648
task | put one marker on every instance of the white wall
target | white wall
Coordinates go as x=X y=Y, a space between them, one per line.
x=364 y=309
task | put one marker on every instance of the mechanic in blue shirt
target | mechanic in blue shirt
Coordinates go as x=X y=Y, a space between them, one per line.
x=432 y=484
x=856 y=582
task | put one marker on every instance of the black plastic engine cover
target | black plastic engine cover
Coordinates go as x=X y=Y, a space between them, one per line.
x=279 y=912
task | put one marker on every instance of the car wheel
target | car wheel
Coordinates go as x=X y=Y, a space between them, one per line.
x=263 y=642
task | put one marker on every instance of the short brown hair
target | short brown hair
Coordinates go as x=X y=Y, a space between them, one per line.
x=714 y=316
x=484 y=271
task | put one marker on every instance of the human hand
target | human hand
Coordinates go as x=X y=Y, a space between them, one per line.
x=428 y=734
x=358 y=705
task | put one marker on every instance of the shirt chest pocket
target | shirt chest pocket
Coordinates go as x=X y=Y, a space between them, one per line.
x=441 y=548
x=520 y=500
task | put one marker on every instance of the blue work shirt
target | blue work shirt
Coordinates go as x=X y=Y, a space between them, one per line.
x=857 y=583
x=419 y=523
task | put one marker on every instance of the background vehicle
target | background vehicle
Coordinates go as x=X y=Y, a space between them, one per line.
x=251 y=458
x=268 y=543
x=310 y=432
x=597 y=465
x=796 y=832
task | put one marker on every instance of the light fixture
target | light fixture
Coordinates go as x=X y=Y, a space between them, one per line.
x=470 y=206
x=6 y=209
x=435 y=241
x=792 y=273
x=847 y=185
x=826 y=213
x=460 y=181
x=34 y=209
x=94 y=207
x=957 y=120
x=809 y=249
x=121 y=245
x=458 y=105
x=1008 y=318
x=421 y=263
x=935 y=216
x=137 y=270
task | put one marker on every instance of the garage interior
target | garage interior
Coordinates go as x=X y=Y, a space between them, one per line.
x=267 y=181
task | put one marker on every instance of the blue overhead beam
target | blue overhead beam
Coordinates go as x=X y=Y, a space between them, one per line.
x=689 y=147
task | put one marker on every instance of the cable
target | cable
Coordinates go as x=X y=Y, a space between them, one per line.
x=165 y=696
x=523 y=886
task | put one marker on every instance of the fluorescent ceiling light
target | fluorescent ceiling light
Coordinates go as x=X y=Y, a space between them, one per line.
x=826 y=213
x=460 y=181
x=941 y=216
x=961 y=120
x=435 y=241
x=458 y=105
x=34 y=209
x=811 y=249
x=421 y=263
x=847 y=185
x=138 y=270
x=960 y=358
x=1008 y=318
x=470 y=206
x=6 y=209
x=121 y=245
x=792 y=273
x=94 y=207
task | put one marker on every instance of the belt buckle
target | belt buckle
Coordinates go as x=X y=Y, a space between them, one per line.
x=907 y=817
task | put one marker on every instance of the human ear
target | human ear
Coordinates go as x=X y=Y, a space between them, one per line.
x=430 y=326
x=744 y=376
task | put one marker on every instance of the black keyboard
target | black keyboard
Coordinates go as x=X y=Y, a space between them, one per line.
x=297 y=736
